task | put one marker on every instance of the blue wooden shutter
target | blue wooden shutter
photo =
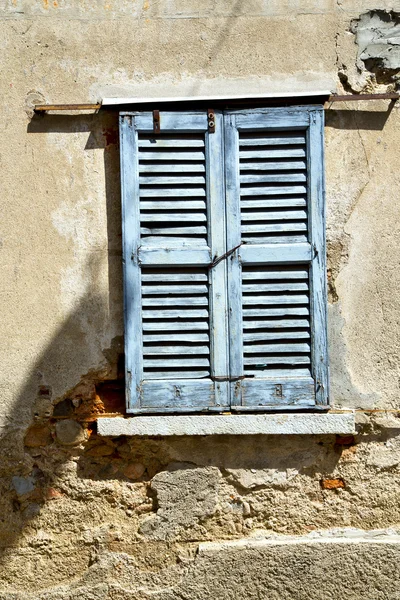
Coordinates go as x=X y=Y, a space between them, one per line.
x=275 y=209
x=173 y=226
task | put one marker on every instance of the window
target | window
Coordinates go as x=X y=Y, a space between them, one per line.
x=224 y=260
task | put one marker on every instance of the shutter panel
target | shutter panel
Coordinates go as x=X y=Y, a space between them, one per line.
x=174 y=225
x=275 y=208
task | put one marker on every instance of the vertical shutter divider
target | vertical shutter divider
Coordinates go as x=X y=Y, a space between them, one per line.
x=174 y=225
x=131 y=267
x=318 y=265
x=233 y=262
x=218 y=274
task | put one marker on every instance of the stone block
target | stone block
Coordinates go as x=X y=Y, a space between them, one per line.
x=70 y=433
x=185 y=496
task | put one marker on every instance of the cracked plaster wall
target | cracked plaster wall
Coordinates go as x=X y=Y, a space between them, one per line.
x=80 y=515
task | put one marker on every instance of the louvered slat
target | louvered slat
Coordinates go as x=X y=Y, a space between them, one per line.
x=170 y=154
x=175 y=314
x=161 y=142
x=264 y=228
x=293 y=165
x=272 y=343
x=294 y=215
x=277 y=324
x=177 y=180
x=275 y=287
x=184 y=374
x=158 y=167
x=275 y=335
x=172 y=205
x=273 y=203
x=272 y=140
x=272 y=190
x=182 y=232
x=256 y=298
x=268 y=273
x=172 y=289
x=162 y=301
x=282 y=311
x=272 y=177
x=172 y=190
x=178 y=337
x=168 y=325
x=172 y=276
x=260 y=152
x=160 y=217
x=171 y=350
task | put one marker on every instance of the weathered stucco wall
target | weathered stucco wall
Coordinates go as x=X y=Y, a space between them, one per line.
x=88 y=517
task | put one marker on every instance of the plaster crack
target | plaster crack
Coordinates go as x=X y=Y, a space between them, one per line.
x=337 y=48
x=364 y=149
x=339 y=6
x=360 y=193
x=380 y=302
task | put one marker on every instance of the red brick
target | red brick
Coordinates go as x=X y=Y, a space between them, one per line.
x=332 y=484
x=38 y=435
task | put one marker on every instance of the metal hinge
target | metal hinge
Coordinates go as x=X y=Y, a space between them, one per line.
x=211 y=120
x=156 y=121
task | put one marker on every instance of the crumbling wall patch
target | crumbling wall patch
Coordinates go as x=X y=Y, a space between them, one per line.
x=378 y=38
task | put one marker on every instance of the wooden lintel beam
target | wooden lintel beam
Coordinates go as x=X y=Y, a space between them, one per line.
x=359 y=97
x=70 y=107
x=41 y=108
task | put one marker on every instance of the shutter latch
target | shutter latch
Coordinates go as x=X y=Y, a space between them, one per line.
x=211 y=120
x=223 y=378
x=218 y=259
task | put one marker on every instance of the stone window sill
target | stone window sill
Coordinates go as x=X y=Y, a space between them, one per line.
x=267 y=424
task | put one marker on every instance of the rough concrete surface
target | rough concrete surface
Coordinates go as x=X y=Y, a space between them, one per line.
x=85 y=516
x=272 y=571
x=293 y=424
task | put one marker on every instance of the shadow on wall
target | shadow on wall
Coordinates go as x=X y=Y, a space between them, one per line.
x=24 y=483
x=59 y=458
x=357 y=119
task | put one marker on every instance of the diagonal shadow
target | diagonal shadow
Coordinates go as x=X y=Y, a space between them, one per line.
x=349 y=119
x=34 y=452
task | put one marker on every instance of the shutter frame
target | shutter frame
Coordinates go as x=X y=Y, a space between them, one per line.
x=131 y=267
x=174 y=394
x=261 y=394
x=225 y=316
x=317 y=218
